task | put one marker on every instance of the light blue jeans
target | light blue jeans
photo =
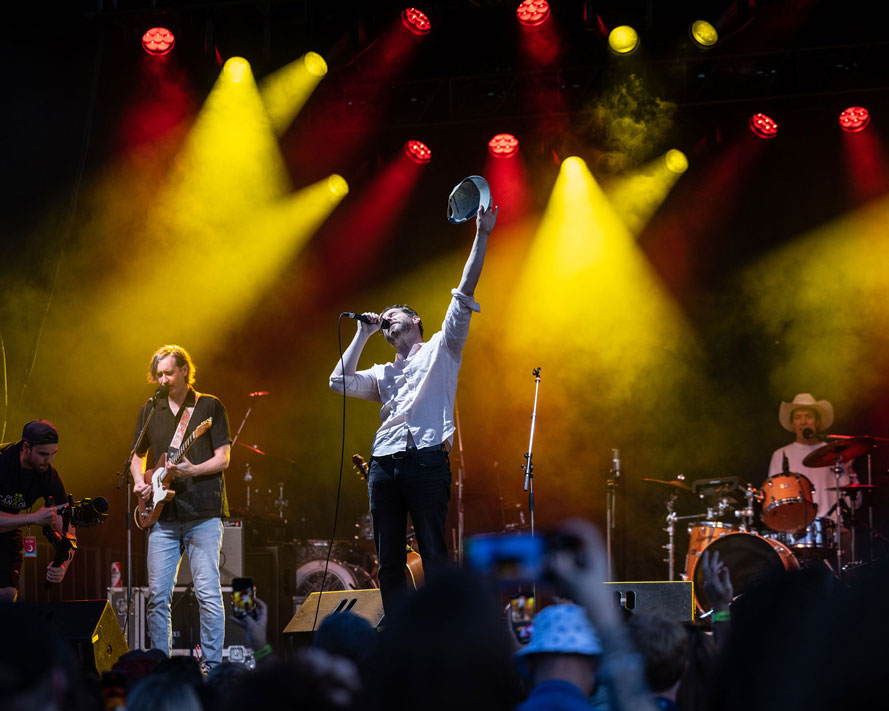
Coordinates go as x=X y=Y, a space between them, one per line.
x=203 y=541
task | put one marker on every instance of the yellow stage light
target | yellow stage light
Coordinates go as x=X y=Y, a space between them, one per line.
x=623 y=39
x=315 y=64
x=636 y=196
x=338 y=185
x=236 y=69
x=703 y=33
x=676 y=161
x=285 y=91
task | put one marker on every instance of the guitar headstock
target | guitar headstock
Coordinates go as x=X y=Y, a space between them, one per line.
x=203 y=427
x=361 y=468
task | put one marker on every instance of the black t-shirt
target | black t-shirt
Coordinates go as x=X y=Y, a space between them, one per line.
x=199 y=496
x=19 y=490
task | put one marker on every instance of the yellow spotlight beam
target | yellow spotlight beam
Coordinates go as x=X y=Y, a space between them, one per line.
x=637 y=196
x=286 y=91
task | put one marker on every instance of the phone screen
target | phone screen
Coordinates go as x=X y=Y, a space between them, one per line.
x=243 y=597
x=522 y=611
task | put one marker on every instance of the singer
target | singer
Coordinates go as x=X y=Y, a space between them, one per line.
x=409 y=469
x=27 y=474
x=801 y=414
x=192 y=520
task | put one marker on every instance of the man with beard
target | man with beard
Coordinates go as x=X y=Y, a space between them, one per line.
x=27 y=474
x=192 y=520
x=409 y=470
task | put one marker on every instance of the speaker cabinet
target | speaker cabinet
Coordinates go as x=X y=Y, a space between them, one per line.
x=671 y=599
x=89 y=625
x=231 y=557
x=364 y=603
x=134 y=631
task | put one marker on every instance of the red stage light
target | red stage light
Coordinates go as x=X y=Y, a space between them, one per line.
x=854 y=119
x=503 y=145
x=532 y=13
x=417 y=151
x=158 y=40
x=416 y=21
x=763 y=126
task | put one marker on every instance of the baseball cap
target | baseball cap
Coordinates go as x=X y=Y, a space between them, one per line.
x=466 y=198
x=40 y=432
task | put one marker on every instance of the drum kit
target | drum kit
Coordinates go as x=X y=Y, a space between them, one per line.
x=773 y=528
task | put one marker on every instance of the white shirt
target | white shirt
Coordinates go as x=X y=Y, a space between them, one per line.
x=821 y=477
x=417 y=392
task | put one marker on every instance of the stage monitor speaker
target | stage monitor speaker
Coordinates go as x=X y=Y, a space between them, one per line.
x=89 y=625
x=364 y=603
x=231 y=557
x=671 y=599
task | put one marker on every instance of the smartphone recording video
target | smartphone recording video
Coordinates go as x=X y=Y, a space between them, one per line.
x=243 y=598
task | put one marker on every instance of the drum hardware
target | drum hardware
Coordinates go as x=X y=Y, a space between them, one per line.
x=281 y=503
x=852 y=488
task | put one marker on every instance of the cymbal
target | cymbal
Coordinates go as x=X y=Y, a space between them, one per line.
x=251 y=448
x=676 y=483
x=843 y=449
x=852 y=488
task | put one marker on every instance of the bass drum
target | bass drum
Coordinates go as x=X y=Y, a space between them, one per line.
x=340 y=576
x=749 y=558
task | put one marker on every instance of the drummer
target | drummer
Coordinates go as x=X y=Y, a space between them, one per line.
x=801 y=414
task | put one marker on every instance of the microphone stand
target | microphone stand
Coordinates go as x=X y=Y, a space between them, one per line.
x=529 y=466
x=125 y=478
x=611 y=499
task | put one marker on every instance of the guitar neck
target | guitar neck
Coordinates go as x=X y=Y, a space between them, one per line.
x=186 y=445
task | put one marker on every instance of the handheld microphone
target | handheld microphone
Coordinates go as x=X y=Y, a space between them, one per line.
x=384 y=323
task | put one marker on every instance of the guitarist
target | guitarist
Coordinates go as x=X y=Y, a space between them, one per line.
x=192 y=520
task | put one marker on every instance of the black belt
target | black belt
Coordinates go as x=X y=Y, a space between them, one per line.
x=414 y=451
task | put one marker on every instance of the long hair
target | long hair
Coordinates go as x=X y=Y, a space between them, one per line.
x=181 y=356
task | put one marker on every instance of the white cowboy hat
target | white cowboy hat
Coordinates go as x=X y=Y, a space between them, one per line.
x=822 y=407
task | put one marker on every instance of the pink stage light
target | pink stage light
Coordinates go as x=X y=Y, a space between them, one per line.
x=417 y=151
x=854 y=119
x=763 y=126
x=503 y=145
x=158 y=41
x=532 y=13
x=416 y=21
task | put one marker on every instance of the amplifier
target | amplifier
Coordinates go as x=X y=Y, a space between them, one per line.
x=671 y=599
x=231 y=557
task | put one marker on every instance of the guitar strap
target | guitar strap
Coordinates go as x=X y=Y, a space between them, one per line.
x=184 y=418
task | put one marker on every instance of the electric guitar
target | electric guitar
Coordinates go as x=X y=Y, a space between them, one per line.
x=148 y=511
x=360 y=466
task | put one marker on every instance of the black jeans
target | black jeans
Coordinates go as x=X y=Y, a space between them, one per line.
x=416 y=482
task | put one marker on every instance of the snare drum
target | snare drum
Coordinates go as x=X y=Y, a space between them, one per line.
x=749 y=558
x=787 y=502
x=702 y=535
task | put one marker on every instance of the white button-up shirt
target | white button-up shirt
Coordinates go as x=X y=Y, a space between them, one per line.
x=417 y=392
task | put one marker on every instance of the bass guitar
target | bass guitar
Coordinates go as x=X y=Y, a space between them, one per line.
x=148 y=511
